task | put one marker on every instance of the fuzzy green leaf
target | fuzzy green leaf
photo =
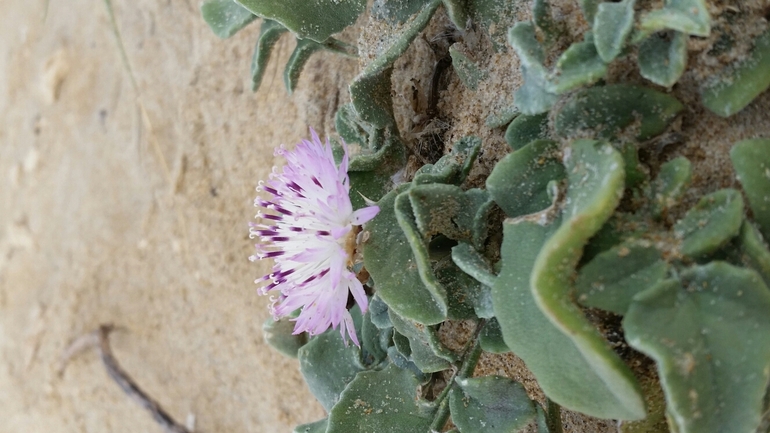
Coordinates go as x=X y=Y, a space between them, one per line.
x=687 y=16
x=589 y=8
x=612 y=24
x=561 y=370
x=518 y=182
x=473 y=264
x=608 y=110
x=525 y=129
x=225 y=17
x=491 y=338
x=709 y=333
x=389 y=258
x=751 y=159
x=314 y=19
x=280 y=336
x=372 y=350
x=467 y=69
x=579 y=66
x=457 y=11
x=754 y=251
x=371 y=98
x=269 y=33
x=350 y=127
x=453 y=167
x=746 y=81
x=711 y=223
x=663 y=58
x=394 y=44
x=596 y=183
x=670 y=184
x=614 y=277
x=490 y=404
x=328 y=364
x=425 y=350
x=301 y=54
x=381 y=401
x=396 y=12
x=502 y=117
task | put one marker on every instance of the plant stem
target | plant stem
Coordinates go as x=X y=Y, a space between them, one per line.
x=471 y=356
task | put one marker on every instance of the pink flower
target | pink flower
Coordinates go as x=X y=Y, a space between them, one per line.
x=308 y=231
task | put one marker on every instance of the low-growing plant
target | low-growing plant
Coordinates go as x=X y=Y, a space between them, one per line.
x=631 y=288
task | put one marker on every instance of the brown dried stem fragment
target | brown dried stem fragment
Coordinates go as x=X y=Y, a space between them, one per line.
x=100 y=339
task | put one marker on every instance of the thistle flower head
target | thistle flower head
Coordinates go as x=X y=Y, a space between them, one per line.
x=306 y=226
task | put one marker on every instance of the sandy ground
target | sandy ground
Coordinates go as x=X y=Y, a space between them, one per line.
x=111 y=215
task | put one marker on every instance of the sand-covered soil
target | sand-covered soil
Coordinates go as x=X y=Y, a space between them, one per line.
x=132 y=209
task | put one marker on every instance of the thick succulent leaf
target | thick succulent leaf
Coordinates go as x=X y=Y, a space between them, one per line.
x=328 y=364
x=466 y=68
x=371 y=98
x=427 y=353
x=754 y=252
x=608 y=110
x=457 y=11
x=490 y=404
x=524 y=129
x=473 y=263
x=420 y=253
x=560 y=368
x=709 y=333
x=225 y=17
x=614 y=277
x=396 y=11
x=350 y=127
x=494 y=17
x=518 y=183
x=389 y=259
x=381 y=401
x=394 y=44
x=269 y=33
x=441 y=208
x=589 y=8
x=687 y=16
x=502 y=117
x=378 y=310
x=612 y=25
x=596 y=183
x=446 y=209
x=532 y=97
x=579 y=66
x=401 y=361
x=663 y=57
x=280 y=336
x=491 y=338
x=453 y=167
x=636 y=174
x=670 y=184
x=314 y=19
x=751 y=159
x=745 y=81
x=711 y=223
x=313 y=427
x=370 y=174
x=468 y=298
x=372 y=350
x=301 y=54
